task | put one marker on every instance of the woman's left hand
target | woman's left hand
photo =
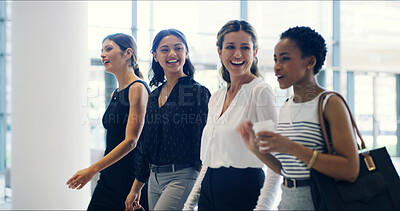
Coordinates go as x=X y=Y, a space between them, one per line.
x=80 y=178
x=268 y=142
x=248 y=136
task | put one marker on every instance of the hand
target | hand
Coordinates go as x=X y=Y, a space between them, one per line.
x=132 y=202
x=273 y=142
x=247 y=133
x=80 y=178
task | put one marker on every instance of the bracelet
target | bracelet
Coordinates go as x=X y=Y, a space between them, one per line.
x=313 y=158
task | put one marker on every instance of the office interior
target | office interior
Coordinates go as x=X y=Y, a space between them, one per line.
x=54 y=91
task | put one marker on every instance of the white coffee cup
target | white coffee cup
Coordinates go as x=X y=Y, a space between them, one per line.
x=267 y=125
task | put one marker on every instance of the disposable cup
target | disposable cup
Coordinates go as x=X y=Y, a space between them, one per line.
x=267 y=125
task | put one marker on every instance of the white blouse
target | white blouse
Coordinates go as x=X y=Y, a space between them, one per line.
x=221 y=144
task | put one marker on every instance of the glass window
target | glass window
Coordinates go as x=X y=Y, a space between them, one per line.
x=199 y=28
x=104 y=18
x=369 y=35
x=375 y=109
x=368 y=43
x=363 y=107
x=386 y=122
x=6 y=42
x=271 y=18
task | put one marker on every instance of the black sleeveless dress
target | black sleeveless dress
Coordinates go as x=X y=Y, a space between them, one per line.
x=116 y=181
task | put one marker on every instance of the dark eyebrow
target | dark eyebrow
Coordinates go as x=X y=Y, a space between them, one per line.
x=178 y=44
x=232 y=43
x=104 y=47
x=166 y=46
x=284 y=53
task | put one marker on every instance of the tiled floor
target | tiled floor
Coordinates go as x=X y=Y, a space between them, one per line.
x=5 y=193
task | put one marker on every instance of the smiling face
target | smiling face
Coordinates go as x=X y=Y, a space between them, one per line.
x=171 y=54
x=237 y=53
x=112 y=56
x=290 y=68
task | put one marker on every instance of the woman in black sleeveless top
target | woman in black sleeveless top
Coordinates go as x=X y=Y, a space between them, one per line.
x=123 y=121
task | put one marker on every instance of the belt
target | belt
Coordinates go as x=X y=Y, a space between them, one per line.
x=294 y=183
x=168 y=168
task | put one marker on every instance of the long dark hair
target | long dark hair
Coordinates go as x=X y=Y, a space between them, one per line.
x=156 y=74
x=235 y=26
x=125 y=41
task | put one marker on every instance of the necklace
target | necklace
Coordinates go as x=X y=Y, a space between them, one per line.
x=292 y=118
x=166 y=92
x=163 y=97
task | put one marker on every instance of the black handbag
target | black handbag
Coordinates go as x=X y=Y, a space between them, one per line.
x=376 y=188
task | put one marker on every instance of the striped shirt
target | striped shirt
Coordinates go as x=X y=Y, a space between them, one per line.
x=299 y=122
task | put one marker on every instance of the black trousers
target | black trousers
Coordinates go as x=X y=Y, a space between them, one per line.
x=231 y=188
x=104 y=200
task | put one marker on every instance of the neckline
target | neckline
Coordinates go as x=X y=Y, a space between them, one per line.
x=159 y=89
x=315 y=98
x=222 y=113
x=246 y=84
x=168 y=95
x=126 y=86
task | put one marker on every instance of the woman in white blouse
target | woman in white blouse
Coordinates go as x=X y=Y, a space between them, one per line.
x=232 y=177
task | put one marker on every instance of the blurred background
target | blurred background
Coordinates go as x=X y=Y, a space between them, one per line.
x=363 y=61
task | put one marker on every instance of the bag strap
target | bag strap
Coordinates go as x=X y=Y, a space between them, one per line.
x=322 y=120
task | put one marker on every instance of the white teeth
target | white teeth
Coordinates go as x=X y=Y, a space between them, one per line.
x=237 y=62
x=172 y=61
x=104 y=62
x=279 y=76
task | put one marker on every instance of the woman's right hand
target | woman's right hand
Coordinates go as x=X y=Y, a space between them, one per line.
x=132 y=201
x=81 y=178
x=247 y=133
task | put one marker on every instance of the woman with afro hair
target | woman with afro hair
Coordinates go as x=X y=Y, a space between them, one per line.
x=298 y=145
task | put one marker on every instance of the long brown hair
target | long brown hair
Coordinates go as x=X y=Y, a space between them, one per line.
x=235 y=26
x=125 y=41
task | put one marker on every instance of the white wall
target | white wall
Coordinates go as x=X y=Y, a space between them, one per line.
x=50 y=69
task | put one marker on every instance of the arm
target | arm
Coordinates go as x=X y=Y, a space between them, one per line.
x=142 y=173
x=132 y=200
x=266 y=108
x=249 y=139
x=194 y=196
x=344 y=165
x=201 y=111
x=269 y=191
x=138 y=100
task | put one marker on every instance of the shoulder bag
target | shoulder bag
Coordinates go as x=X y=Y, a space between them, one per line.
x=376 y=188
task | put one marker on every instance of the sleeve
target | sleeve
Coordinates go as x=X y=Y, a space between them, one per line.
x=265 y=102
x=269 y=191
x=194 y=195
x=201 y=119
x=142 y=171
x=267 y=108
